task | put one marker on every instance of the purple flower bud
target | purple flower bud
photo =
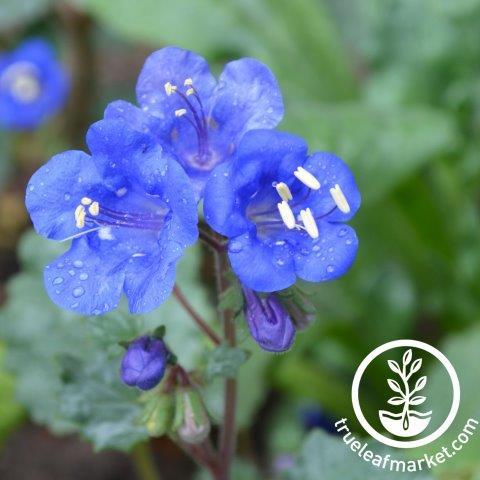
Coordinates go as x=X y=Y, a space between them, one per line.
x=269 y=323
x=144 y=362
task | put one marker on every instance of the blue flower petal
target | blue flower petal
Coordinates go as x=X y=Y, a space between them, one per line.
x=247 y=97
x=263 y=266
x=327 y=257
x=149 y=283
x=263 y=157
x=331 y=170
x=85 y=281
x=54 y=192
x=174 y=65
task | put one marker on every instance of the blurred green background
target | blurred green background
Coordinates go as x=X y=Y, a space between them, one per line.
x=393 y=87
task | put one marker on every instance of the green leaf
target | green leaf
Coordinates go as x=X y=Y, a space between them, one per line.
x=327 y=457
x=224 y=361
x=13 y=13
x=383 y=146
x=67 y=366
x=463 y=352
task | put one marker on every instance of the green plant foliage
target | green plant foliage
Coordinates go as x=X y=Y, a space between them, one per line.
x=13 y=13
x=327 y=457
x=66 y=366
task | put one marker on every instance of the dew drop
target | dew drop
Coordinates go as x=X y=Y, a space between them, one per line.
x=67 y=197
x=83 y=276
x=280 y=262
x=316 y=248
x=78 y=264
x=342 y=232
x=330 y=268
x=348 y=242
x=74 y=305
x=71 y=273
x=235 y=247
x=57 y=280
x=78 y=292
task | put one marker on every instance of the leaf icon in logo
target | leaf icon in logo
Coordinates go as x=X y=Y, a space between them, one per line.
x=416 y=366
x=417 y=400
x=396 y=401
x=421 y=382
x=394 y=366
x=407 y=357
x=394 y=385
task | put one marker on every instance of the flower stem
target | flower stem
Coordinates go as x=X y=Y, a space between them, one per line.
x=227 y=434
x=144 y=463
x=201 y=323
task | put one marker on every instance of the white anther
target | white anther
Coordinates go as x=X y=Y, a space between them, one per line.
x=169 y=88
x=283 y=191
x=309 y=222
x=307 y=178
x=287 y=215
x=339 y=199
x=86 y=201
x=80 y=215
x=188 y=82
x=180 y=112
x=94 y=209
x=190 y=91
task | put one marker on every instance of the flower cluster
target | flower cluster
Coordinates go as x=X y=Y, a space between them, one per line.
x=33 y=85
x=131 y=206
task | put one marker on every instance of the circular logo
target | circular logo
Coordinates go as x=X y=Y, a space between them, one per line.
x=405 y=416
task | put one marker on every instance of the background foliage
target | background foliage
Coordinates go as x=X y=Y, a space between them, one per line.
x=392 y=87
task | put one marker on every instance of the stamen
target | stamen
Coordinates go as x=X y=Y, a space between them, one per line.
x=94 y=209
x=284 y=191
x=309 y=222
x=287 y=215
x=188 y=82
x=339 y=199
x=180 y=112
x=80 y=215
x=190 y=91
x=86 y=201
x=307 y=178
x=169 y=88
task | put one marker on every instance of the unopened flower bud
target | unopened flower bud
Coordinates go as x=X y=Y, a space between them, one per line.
x=144 y=362
x=269 y=323
x=158 y=413
x=195 y=424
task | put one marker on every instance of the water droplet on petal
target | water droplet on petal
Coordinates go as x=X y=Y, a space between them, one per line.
x=83 y=276
x=316 y=248
x=235 y=247
x=330 y=268
x=57 y=280
x=342 y=232
x=71 y=273
x=78 y=292
x=349 y=241
x=78 y=264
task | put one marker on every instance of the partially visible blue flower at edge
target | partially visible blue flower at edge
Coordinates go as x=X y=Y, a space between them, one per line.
x=197 y=118
x=33 y=85
x=144 y=363
x=283 y=211
x=130 y=210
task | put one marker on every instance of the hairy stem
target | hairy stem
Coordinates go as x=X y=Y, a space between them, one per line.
x=201 y=323
x=227 y=434
x=144 y=463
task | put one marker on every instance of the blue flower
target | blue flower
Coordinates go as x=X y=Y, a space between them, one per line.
x=33 y=85
x=144 y=362
x=197 y=118
x=130 y=210
x=268 y=322
x=283 y=211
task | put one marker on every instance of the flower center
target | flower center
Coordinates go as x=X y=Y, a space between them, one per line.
x=194 y=113
x=22 y=82
x=306 y=220
x=89 y=213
